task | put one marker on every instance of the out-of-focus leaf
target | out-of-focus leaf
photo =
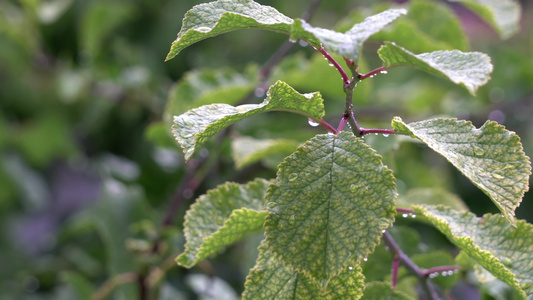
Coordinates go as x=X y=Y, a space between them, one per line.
x=325 y=189
x=210 y=287
x=270 y=279
x=491 y=156
x=246 y=150
x=383 y=291
x=79 y=283
x=503 y=15
x=432 y=196
x=470 y=69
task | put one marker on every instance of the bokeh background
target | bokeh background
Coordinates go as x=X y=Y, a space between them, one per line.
x=92 y=191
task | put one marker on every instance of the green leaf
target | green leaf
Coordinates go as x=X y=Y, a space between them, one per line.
x=491 y=156
x=383 y=291
x=202 y=87
x=470 y=69
x=270 y=279
x=428 y=26
x=503 y=15
x=220 y=217
x=214 y=18
x=331 y=199
x=345 y=44
x=194 y=127
x=432 y=196
x=502 y=249
x=246 y=150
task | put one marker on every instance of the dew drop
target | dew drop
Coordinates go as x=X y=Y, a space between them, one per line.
x=292 y=219
x=293 y=177
x=330 y=64
x=479 y=151
x=350 y=268
x=365 y=259
x=271 y=205
x=203 y=29
x=383 y=72
x=354 y=188
x=405 y=215
x=386 y=135
x=303 y=43
x=313 y=122
x=413 y=216
x=444 y=273
x=498 y=174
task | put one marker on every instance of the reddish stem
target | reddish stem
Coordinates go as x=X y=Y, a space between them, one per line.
x=404 y=210
x=342 y=124
x=327 y=126
x=364 y=131
x=344 y=76
x=371 y=73
x=395 y=267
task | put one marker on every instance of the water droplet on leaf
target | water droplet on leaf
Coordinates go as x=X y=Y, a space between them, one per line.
x=478 y=151
x=313 y=122
x=292 y=219
x=203 y=29
x=293 y=177
x=498 y=174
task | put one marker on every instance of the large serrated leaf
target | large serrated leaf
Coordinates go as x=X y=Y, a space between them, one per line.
x=345 y=44
x=328 y=206
x=270 y=279
x=194 y=127
x=221 y=217
x=470 y=69
x=214 y=18
x=378 y=290
x=503 y=15
x=246 y=150
x=503 y=250
x=491 y=156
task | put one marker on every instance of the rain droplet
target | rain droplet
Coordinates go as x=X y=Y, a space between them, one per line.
x=259 y=92
x=386 y=135
x=365 y=259
x=413 y=216
x=271 y=205
x=498 y=174
x=293 y=177
x=292 y=219
x=303 y=43
x=479 y=151
x=203 y=29
x=313 y=122
x=330 y=64
x=405 y=215
x=350 y=268
x=383 y=72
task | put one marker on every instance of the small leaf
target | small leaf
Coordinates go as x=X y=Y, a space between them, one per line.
x=270 y=279
x=503 y=250
x=431 y=196
x=345 y=44
x=221 y=217
x=503 y=15
x=194 y=127
x=383 y=291
x=491 y=156
x=202 y=87
x=470 y=69
x=328 y=206
x=246 y=150
x=214 y=18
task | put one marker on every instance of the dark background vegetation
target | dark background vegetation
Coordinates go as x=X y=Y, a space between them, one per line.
x=87 y=173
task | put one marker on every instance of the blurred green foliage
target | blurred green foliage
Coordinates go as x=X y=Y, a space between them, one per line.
x=88 y=169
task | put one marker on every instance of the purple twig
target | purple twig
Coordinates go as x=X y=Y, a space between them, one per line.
x=395 y=268
x=387 y=132
x=404 y=210
x=342 y=124
x=372 y=73
x=331 y=60
x=326 y=125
